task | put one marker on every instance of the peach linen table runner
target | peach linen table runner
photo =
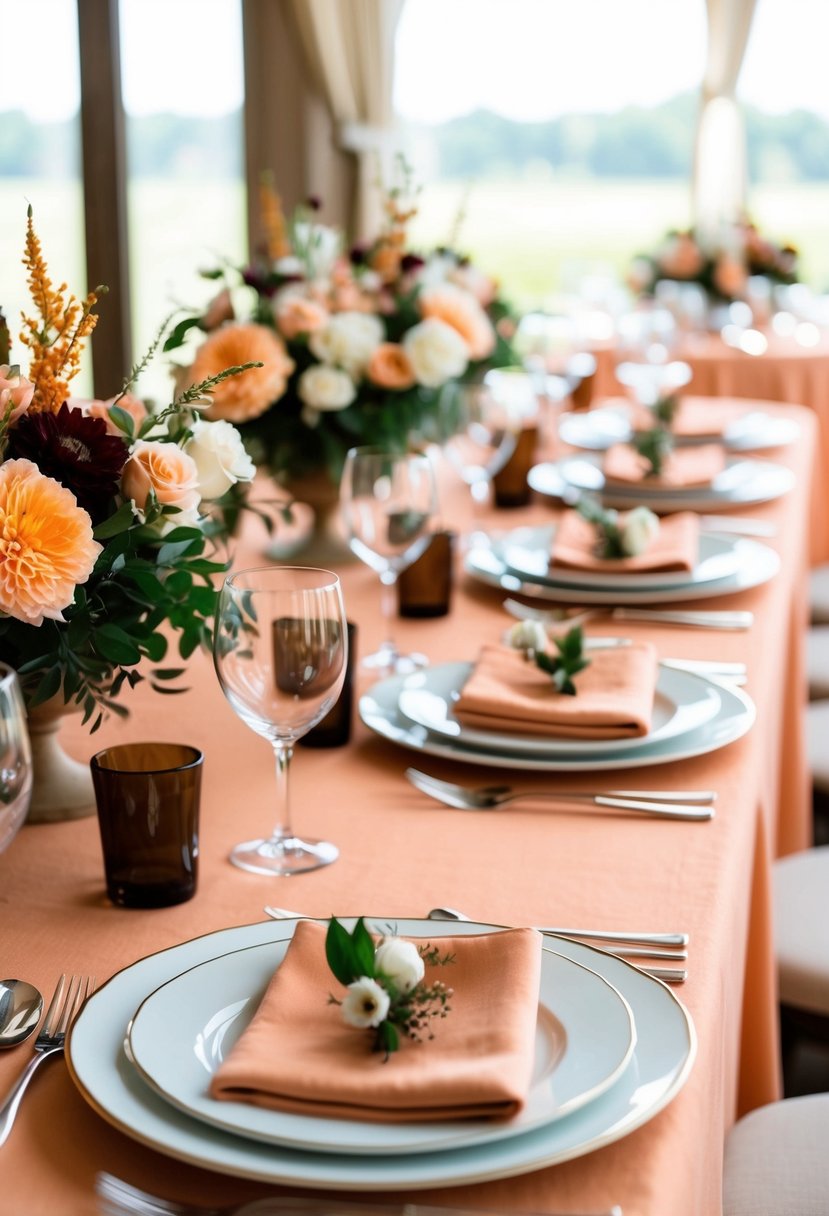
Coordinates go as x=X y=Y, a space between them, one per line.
x=298 y=1054
x=682 y=467
x=402 y=854
x=674 y=548
x=614 y=700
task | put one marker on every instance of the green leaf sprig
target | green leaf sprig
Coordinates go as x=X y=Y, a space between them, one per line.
x=608 y=529
x=665 y=409
x=569 y=661
x=655 y=446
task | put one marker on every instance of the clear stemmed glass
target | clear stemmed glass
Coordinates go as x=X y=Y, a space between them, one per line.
x=389 y=503
x=280 y=649
x=479 y=431
x=15 y=758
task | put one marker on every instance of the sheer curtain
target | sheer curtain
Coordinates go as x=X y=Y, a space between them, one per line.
x=720 y=158
x=349 y=48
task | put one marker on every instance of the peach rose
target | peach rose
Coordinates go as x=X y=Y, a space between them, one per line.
x=295 y=315
x=46 y=545
x=458 y=308
x=390 y=367
x=730 y=277
x=15 y=391
x=246 y=396
x=165 y=468
x=131 y=405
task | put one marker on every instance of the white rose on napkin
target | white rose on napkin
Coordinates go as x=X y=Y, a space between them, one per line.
x=365 y=1003
x=527 y=635
x=401 y=962
x=640 y=530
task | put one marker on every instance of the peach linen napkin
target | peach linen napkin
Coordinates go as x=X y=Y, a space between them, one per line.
x=298 y=1055
x=685 y=467
x=674 y=548
x=507 y=692
x=696 y=417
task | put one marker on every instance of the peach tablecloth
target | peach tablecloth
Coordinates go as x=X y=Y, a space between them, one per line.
x=404 y=854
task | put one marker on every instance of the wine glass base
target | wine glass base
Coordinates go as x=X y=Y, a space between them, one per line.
x=284 y=857
x=391 y=662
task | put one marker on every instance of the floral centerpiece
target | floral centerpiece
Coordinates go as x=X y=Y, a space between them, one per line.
x=720 y=268
x=111 y=517
x=356 y=346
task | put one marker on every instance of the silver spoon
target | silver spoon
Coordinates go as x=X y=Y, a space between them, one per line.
x=20 y=1008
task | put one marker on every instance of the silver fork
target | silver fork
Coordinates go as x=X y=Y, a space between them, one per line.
x=117 y=1198
x=663 y=804
x=63 y=1009
x=733 y=620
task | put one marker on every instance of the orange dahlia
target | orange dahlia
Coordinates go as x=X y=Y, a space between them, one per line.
x=46 y=545
x=248 y=395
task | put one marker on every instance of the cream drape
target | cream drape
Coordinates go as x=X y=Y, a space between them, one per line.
x=349 y=48
x=720 y=160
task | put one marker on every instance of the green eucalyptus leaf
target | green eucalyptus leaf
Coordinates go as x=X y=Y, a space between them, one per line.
x=388 y=1038
x=116 y=645
x=124 y=421
x=48 y=686
x=168 y=673
x=119 y=522
x=155 y=647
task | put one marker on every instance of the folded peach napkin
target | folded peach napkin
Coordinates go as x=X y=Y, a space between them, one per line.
x=695 y=418
x=685 y=467
x=298 y=1054
x=507 y=692
x=675 y=546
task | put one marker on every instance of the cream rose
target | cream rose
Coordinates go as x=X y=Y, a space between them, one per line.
x=164 y=468
x=640 y=529
x=220 y=456
x=348 y=341
x=436 y=352
x=16 y=392
x=326 y=388
x=400 y=961
x=527 y=635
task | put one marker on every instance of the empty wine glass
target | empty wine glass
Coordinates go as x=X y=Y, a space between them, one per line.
x=15 y=758
x=389 y=501
x=280 y=649
x=479 y=431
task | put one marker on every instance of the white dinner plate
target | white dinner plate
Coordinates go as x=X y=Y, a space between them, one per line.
x=742 y=483
x=661 y=1062
x=185 y=1029
x=680 y=705
x=380 y=710
x=526 y=552
x=755 y=431
x=486 y=562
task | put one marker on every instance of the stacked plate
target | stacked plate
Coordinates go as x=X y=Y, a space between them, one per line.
x=519 y=561
x=742 y=483
x=613 y=1047
x=691 y=716
x=754 y=431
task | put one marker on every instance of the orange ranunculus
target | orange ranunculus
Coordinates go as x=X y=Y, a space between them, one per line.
x=165 y=468
x=390 y=367
x=462 y=311
x=46 y=545
x=246 y=396
x=297 y=315
x=136 y=409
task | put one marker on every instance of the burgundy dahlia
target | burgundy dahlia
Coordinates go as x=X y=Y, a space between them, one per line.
x=76 y=451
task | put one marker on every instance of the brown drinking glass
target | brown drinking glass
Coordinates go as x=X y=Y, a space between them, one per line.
x=425 y=588
x=148 y=812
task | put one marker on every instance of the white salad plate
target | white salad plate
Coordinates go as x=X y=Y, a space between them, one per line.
x=487 y=562
x=380 y=710
x=755 y=431
x=661 y=1062
x=680 y=705
x=742 y=483
x=184 y=1030
x=526 y=552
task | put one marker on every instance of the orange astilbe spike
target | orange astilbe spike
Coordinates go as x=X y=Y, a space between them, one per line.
x=273 y=220
x=57 y=333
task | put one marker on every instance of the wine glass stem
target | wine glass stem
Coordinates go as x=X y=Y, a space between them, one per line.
x=388 y=584
x=282 y=754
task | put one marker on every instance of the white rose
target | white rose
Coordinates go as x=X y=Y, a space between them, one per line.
x=400 y=961
x=436 y=352
x=348 y=341
x=220 y=457
x=321 y=246
x=438 y=268
x=365 y=1004
x=640 y=530
x=527 y=635
x=326 y=388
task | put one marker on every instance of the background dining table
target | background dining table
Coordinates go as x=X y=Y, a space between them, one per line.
x=402 y=854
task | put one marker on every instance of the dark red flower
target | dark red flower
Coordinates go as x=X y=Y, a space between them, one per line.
x=410 y=262
x=76 y=451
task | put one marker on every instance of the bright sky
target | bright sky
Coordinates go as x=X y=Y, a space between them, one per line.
x=529 y=59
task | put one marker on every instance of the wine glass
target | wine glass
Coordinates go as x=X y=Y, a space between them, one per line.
x=280 y=649
x=479 y=431
x=15 y=758
x=389 y=502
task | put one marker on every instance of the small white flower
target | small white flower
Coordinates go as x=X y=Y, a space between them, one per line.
x=436 y=352
x=366 y=1003
x=348 y=341
x=400 y=961
x=220 y=457
x=640 y=530
x=527 y=635
x=326 y=388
